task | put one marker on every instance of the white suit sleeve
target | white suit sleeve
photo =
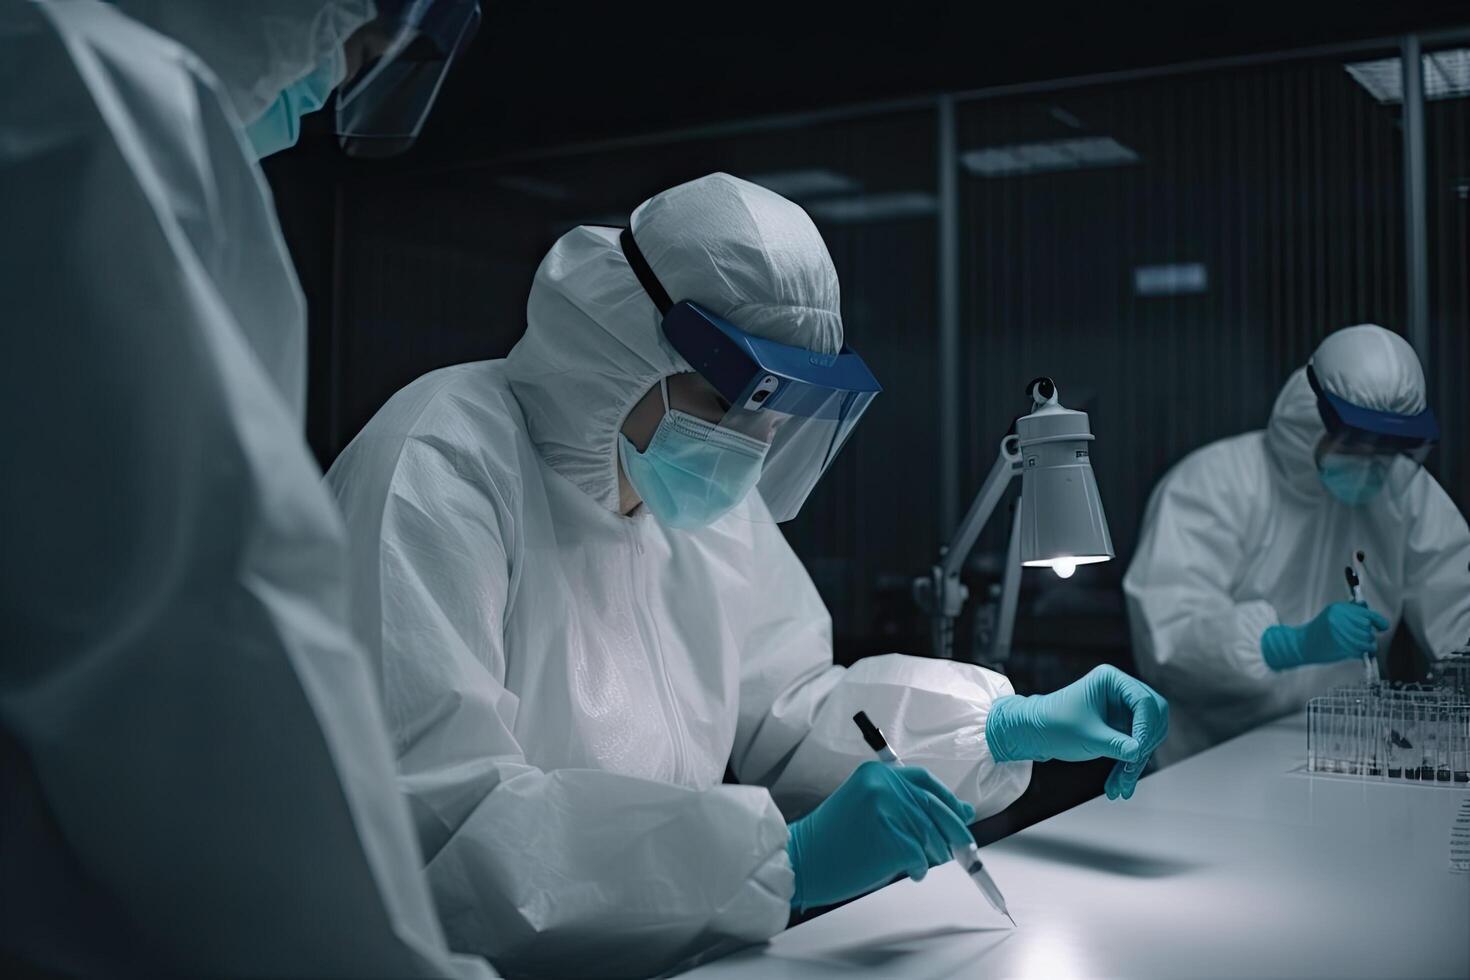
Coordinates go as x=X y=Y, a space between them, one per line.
x=177 y=668
x=543 y=871
x=1437 y=572
x=1190 y=637
x=796 y=733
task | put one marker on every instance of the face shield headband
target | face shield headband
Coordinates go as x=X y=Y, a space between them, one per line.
x=803 y=404
x=1356 y=431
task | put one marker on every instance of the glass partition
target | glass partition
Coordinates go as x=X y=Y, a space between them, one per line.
x=1447 y=196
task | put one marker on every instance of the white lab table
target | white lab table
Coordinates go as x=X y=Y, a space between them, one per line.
x=1231 y=863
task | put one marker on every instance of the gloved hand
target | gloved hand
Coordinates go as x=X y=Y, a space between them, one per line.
x=882 y=822
x=1342 y=631
x=1105 y=714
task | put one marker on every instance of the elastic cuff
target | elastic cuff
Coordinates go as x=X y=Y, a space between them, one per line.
x=792 y=850
x=1281 y=647
x=996 y=725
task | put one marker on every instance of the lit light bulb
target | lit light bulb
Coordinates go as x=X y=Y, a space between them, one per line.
x=1064 y=567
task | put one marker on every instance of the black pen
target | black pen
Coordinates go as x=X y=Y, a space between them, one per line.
x=968 y=857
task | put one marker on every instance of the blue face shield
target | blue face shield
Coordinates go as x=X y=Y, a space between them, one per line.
x=693 y=472
x=1360 y=444
x=280 y=126
x=797 y=405
x=1354 y=480
x=1356 y=431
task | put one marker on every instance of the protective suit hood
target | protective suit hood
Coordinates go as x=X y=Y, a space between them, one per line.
x=594 y=344
x=1372 y=367
x=1368 y=365
x=255 y=47
x=1292 y=435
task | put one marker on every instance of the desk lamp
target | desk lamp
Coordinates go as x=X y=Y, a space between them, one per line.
x=1059 y=522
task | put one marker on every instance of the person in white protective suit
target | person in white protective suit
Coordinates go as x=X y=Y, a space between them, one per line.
x=582 y=614
x=197 y=778
x=1237 y=596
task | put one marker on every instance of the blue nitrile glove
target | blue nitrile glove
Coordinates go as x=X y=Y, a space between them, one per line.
x=1105 y=714
x=884 y=821
x=1342 y=631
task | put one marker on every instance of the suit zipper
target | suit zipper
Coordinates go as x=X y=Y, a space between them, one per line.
x=651 y=633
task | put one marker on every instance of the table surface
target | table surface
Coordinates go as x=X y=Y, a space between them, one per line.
x=1231 y=863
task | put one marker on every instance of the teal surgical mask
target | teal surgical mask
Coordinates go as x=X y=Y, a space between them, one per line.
x=693 y=471
x=1354 y=480
x=279 y=127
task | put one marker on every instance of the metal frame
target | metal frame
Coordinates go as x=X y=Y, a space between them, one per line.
x=940 y=593
x=1416 y=220
x=949 y=313
x=800 y=120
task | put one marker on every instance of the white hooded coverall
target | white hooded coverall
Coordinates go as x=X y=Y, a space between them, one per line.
x=196 y=778
x=566 y=685
x=1242 y=535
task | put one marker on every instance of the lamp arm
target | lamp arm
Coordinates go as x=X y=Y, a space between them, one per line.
x=1007 y=465
x=1010 y=597
x=940 y=593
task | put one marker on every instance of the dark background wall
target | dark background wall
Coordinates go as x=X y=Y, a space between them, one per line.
x=1282 y=177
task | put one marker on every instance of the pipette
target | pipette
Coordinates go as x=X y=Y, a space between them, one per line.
x=967 y=856
x=1355 y=590
x=1355 y=587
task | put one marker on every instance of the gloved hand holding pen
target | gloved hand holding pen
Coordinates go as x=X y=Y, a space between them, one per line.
x=888 y=819
x=1106 y=714
x=882 y=822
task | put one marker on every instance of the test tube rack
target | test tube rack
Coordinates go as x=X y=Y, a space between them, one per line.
x=1452 y=674
x=1413 y=733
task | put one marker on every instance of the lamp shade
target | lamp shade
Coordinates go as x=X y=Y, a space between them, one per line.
x=1062 y=520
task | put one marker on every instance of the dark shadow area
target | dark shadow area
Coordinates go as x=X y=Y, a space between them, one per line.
x=894 y=948
x=1061 y=850
x=557 y=72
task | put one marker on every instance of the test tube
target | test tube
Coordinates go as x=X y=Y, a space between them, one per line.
x=1445 y=745
x=1393 y=768
x=1323 y=749
x=1352 y=735
x=1409 y=753
x=1314 y=735
x=1342 y=736
x=1412 y=739
x=1453 y=760
x=1330 y=753
x=1365 y=736
x=1378 y=732
x=1331 y=736
x=1428 y=741
x=1363 y=741
x=1461 y=730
